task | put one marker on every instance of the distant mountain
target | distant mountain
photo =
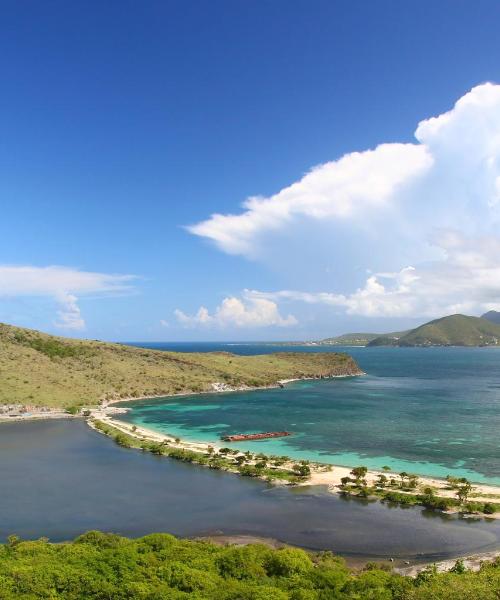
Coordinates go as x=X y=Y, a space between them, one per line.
x=358 y=339
x=493 y=316
x=454 y=330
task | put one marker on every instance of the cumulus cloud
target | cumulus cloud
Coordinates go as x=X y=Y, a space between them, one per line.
x=425 y=217
x=345 y=189
x=236 y=312
x=63 y=284
x=455 y=164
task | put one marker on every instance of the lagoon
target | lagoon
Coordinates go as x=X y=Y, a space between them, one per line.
x=60 y=478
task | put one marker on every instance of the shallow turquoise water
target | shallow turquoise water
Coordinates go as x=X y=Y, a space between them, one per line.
x=432 y=411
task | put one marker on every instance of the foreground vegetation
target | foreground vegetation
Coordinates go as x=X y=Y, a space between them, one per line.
x=160 y=567
x=42 y=370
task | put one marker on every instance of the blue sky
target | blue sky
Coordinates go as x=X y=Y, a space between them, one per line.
x=122 y=123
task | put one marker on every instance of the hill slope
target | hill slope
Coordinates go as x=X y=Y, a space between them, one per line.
x=493 y=316
x=454 y=330
x=44 y=370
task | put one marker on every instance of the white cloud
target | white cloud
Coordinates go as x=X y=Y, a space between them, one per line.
x=466 y=280
x=164 y=323
x=63 y=284
x=434 y=205
x=69 y=314
x=348 y=188
x=451 y=174
x=235 y=312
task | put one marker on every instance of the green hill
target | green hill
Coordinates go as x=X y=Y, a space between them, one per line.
x=454 y=330
x=493 y=316
x=44 y=370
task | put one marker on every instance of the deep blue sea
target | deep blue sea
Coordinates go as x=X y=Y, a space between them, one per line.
x=430 y=411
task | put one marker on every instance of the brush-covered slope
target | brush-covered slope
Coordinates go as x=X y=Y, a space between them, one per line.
x=454 y=330
x=45 y=370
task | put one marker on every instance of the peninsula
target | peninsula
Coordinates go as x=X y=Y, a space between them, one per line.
x=41 y=370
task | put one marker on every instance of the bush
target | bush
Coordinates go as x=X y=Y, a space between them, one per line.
x=104 y=566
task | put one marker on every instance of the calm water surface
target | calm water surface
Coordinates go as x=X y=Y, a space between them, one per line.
x=60 y=478
x=431 y=411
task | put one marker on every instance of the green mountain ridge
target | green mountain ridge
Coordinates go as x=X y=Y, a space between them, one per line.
x=453 y=330
x=38 y=369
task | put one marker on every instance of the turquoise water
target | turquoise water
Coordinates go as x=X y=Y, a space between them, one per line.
x=430 y=411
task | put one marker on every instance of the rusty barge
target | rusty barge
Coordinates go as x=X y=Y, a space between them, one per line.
x=243 y=437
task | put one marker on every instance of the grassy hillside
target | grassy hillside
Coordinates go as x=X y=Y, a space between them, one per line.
x=454 y=330
x=159 y=566
x=44 y=370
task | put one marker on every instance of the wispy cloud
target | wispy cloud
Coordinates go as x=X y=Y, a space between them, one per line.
x=64 y=285
x=466 y=280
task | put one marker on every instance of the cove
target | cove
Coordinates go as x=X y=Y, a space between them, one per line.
x=429 y=411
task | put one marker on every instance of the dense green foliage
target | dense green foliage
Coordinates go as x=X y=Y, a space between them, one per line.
x=161 y=567
x=454 y=330
x=45 y=370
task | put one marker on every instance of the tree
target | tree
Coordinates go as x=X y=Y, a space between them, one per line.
x=382 y=481
x=413 y=481
x=302 y=470
x=358 y=473
x=463 y=491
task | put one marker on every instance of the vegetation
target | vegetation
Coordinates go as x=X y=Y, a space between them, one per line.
x=405 y=491
x=44 y=370
x=454 y=330
x=161 y=567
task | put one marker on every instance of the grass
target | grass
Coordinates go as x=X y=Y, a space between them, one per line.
x=37 y=369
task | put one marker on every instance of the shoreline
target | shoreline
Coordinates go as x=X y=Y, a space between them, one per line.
x=322 y=474
x=222 y=388
x=317 y=478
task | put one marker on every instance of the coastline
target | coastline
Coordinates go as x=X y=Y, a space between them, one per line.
x=322 y=474
x=222 y=388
